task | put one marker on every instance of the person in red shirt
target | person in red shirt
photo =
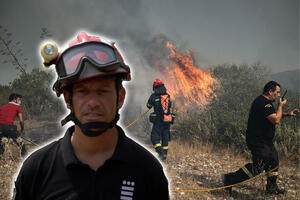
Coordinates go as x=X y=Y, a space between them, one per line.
x=8 y=113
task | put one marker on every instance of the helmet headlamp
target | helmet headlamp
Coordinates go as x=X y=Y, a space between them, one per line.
x=49 y=52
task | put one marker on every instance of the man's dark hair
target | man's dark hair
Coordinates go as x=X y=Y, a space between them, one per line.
x=271 y=85
x=14 y=96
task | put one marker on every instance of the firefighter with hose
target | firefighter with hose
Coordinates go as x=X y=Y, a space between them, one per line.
x=162 y=118
x=260 y=133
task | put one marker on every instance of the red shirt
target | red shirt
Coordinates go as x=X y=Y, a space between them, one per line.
x=8 y=113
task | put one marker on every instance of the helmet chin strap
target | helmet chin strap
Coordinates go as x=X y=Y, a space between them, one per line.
x=86 y=128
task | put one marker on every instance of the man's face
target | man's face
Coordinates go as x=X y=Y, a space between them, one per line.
x=96 y=100
x=18 y=100
x=274 y=95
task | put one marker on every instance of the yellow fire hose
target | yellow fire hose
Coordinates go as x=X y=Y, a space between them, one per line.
x=137 y=119
x=248 y=180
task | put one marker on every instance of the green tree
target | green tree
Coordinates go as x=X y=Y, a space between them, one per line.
x=38 y=100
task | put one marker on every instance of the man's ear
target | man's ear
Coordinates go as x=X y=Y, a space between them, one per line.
x=122 y=93
x=67 y=99
x=270 y=92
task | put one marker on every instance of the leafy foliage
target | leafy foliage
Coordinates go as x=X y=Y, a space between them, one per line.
x=38 y=101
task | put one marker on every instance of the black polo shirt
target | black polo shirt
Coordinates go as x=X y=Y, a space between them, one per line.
x=54 y=172
x=260 y=129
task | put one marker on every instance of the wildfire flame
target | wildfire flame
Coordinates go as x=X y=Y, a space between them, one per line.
x=190 y=86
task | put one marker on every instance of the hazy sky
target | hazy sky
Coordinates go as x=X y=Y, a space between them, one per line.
x=218 y=31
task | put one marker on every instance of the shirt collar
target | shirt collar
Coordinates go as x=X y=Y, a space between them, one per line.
x=14 y=103
x=66 y=148
x=120 y=154
x=266 y=99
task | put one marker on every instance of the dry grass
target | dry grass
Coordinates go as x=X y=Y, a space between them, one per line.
x=196 y=167
x=189 y=166
x=9 y=164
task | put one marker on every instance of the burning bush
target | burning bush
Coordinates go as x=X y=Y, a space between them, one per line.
x=191 y=86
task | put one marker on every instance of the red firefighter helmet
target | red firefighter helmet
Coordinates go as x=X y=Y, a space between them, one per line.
x=157 y=82
x=88 y=57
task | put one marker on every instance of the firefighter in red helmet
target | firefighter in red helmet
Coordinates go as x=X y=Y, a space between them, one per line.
x=94 y=159
x=161 y=118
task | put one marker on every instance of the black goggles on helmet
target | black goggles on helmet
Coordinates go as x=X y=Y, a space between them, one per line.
x=104 y=57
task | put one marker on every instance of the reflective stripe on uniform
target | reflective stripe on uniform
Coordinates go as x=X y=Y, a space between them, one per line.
x=157 y=145
x=165 y=147
x=247 y=172
x=272 y=173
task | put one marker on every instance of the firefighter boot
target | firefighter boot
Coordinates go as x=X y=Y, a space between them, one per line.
x=240 y=175
x=227 y=181
x=162 y=156
x=160 y=152
x=165 y=153
x=272 y=187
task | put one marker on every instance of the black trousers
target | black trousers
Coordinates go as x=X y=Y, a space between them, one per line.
x=264 y=158
x=160 y=136
x=10 y=131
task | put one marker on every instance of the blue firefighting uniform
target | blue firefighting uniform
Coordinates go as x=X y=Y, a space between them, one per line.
x=160 y=135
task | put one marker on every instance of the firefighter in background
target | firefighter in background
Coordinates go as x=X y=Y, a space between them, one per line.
x=8 y=113
x=161 y=118
x=259 y=137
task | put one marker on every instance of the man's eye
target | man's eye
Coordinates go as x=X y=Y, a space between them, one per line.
x=103 y=91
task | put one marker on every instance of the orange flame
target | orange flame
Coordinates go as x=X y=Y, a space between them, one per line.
x=186 y=83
